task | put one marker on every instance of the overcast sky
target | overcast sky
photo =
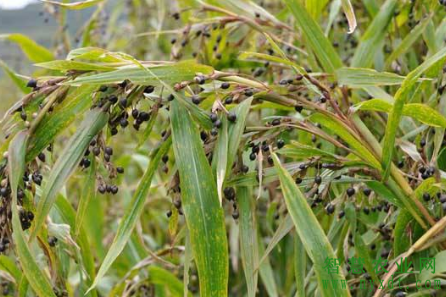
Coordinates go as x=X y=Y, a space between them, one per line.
x=14 y=4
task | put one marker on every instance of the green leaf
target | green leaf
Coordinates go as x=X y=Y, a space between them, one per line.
x=322 y=47
x=161 y=276
x=68 y=161
x=348 y=136
x=364 y=77
x=408 y=41
x=248 y=238
x=169 y=73
x=64 y=65
x=310 y=233
x=8 y=265
x=20 y=83
x=420 y=112
x=16 y=167
x=74 y=5
x=204 y=216
x=88 y=193
x=300 y=265
x=74 y=104
x=134 y=211
x=397 y=110
x=301 y=151
x=32 y=50
x=372 y=40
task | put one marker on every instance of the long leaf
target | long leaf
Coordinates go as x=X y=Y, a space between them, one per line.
x=311 y=234
x=321 y=46
x=75 y=5
x=371 y=40
x=35 y=52
x=16 y=167
x=69 y=159
x=204 y=216
x=248 y=239
x=133 y=213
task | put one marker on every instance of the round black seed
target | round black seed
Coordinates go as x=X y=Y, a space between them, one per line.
x=196 y=99
x=107 y=157
x=108 y=150
x=42 y=157
x=102 y=189
x=120 y=170
x=32 y=83
x=114 y=189
x=135 y=113
x=149 y=89
x=113 y=99
x=86 y=162
x=350 y=192
x=214 y=131
x=170 y=97
x=225 y=85
x=144 y=116
x=280 y=143
x=23 y=115
x=318 y=179
x=330 y=208
x=123 y=103
x=341 y=214
x=235 y=214
x=213 y=117
x=229 y=193
x=169 y=213
x=228 y=100
x=114 y=131
x=275 y=122
x=52 y=241
x=102 y=88
x=367 y=191
x=426 y=197
x=177 y=203
x=232 y=117
x=298 y=108
x=123 y=122
x=298 y=180
x=96 y=151
x=217 y=124
x=366 y=210
x=252 y=156
x=165 y=158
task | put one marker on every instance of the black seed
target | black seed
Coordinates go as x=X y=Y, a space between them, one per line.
x=165 y=158
x=102 y=189
x=42 y=157
x=123 y=103
x=144 y=116
x=135 y=113
x=228 y=100
x=252 y=156
x=96 y=151
x=214 y=131
x=102 y=88
x=108 y=150
x=203 y=135
x=107 y=157
x=149 y=89
x=350 y=192
x=113 y=131
x=298 y=108
x=173 y=40
x=341 y=214
x=280 y=143
x=213 y=117
x=367 y=191
x=248 y=92
x=169 y=213
x=32 y=83
x=113 y=99
x=93 y=142
x=330 y=208
x=366 y=210
x=318 y=179
x=30 y=215
x=52 y=241
x=426 y=197
x=196 y=99
x=123 y=122
x=225 y=85
x=229 y=193
x=114 y=189
x=4 y=192
x=265 y=147
x=217 y=124
x=86 y=162
x=323 y=99
x=298 y=180
x=275 y=122
x=170 y=97
x=422 y=142
x=120 y=170
x=232 y=117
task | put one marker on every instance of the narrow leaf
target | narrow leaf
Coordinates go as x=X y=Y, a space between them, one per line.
x=35 y=52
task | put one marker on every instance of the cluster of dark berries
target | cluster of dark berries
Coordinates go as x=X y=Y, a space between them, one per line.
x=229 y=193
x=26 y=217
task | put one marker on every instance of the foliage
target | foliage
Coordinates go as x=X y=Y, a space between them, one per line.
x=227 y=148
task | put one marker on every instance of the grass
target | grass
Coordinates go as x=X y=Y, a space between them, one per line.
x=228 y=148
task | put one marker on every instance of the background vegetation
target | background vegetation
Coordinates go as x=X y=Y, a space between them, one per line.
x=225 y=148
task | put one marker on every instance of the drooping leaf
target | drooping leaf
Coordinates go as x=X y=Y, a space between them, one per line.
x=350 y=15
x=20 y=83
x=74 y=5
x=33 y=51
x=64 y=65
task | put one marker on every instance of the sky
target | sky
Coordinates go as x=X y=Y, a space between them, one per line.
x=14 y=4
